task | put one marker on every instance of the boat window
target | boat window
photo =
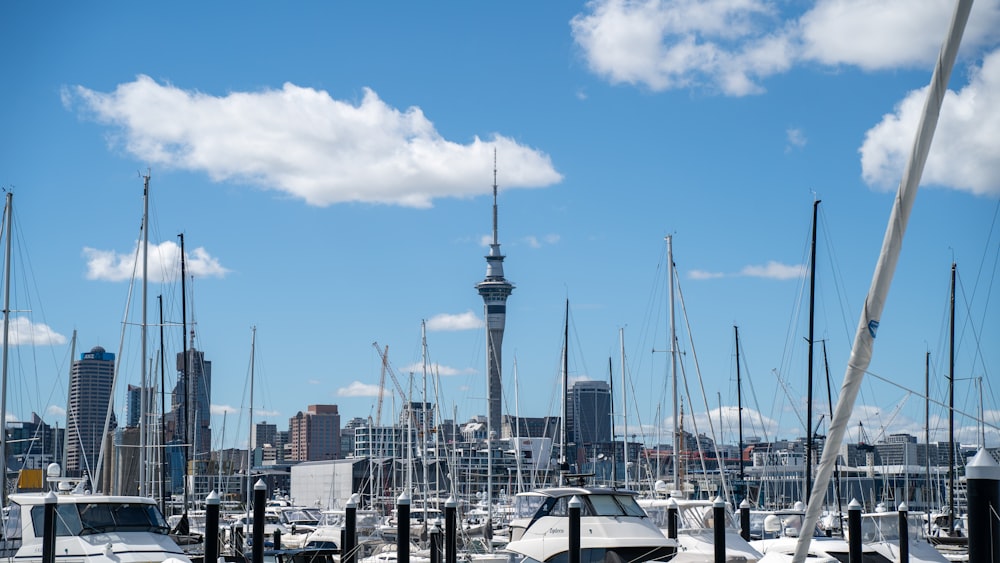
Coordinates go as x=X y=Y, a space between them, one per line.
x=880 y=528
x=700 y=516
x=560 y=507
x=94 y=518
x=67 y=520
x=332 y=519
x=658 y=515
x=12 y=522
x=525 y=506
x=605 y=505
x=629 y=505
x=299 y=516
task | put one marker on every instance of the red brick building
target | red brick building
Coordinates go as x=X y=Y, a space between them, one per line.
x=315 y=435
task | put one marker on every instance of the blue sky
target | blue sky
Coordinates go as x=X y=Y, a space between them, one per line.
x=331 y=168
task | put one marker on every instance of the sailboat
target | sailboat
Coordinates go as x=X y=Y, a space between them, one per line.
x=944 y=531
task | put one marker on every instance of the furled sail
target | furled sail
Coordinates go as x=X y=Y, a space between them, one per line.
x=864 y=339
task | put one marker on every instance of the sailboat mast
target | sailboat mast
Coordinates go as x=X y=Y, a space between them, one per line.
x=517 y=431
x=253 y=355
x=621 y=343
x=187 y=377
x=809 y=369
x=423 y=411
x=143 y=407
x=829 y=403
x=739 y=399
x=927 y=432
x=564 y=465
x=8 y=218
x=951 y=408
x=673 y=367
x=611 y=394
x=163 y=411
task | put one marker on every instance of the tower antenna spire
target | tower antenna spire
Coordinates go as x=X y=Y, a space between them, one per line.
x=495 y=238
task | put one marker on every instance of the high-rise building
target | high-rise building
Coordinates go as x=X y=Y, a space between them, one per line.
x=34 y=444
x=133 y=407
x=530 y=427
x=589 y=414
x=315 y=435
x=194 y=389
x=263 y=433
x=494 y=290
x=347 y=435
x=90 y=383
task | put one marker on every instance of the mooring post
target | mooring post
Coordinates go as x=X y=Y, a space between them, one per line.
x=450 y=529
x=49 y=528
x=436 y=543
x=904 y=533
x=403 y=527
x=983 y=490
x=719 y=529
x=853 y=531
x=671 y=518
x=745 y=520
x=259 y=501
x=574 y=530
x=212 y=503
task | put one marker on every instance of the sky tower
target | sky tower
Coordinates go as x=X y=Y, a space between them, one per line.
x=494 y=290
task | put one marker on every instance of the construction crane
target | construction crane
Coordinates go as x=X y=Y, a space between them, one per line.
x=384 y=354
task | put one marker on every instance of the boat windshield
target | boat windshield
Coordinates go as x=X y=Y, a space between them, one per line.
x=590 y=505
x=701 y=516
x=300 y=515
x=332 y=519
x=885 y=526
x=94 y=518
x=525 y=506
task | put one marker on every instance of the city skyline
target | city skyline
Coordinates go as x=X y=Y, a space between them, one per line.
x=332 y=169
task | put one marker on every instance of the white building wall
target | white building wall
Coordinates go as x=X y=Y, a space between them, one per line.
x=326 y=484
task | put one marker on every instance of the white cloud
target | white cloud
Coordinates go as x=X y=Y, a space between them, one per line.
x=223 y=409
x=888 y=34
x=164 y=263
x=358 y=389
x=963 y=152
x=731 y=45
x=719 y=44
x=796 y=138
x=56 y=411
x=435 y=368
x=24 y=332
x=705 y=275
x=754 y=423
x=306 y=144
x=771 y=270
x=448 y=322
x=537 y=242
x=774 y=270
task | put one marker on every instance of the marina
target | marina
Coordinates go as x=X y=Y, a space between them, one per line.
x=346 y=179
